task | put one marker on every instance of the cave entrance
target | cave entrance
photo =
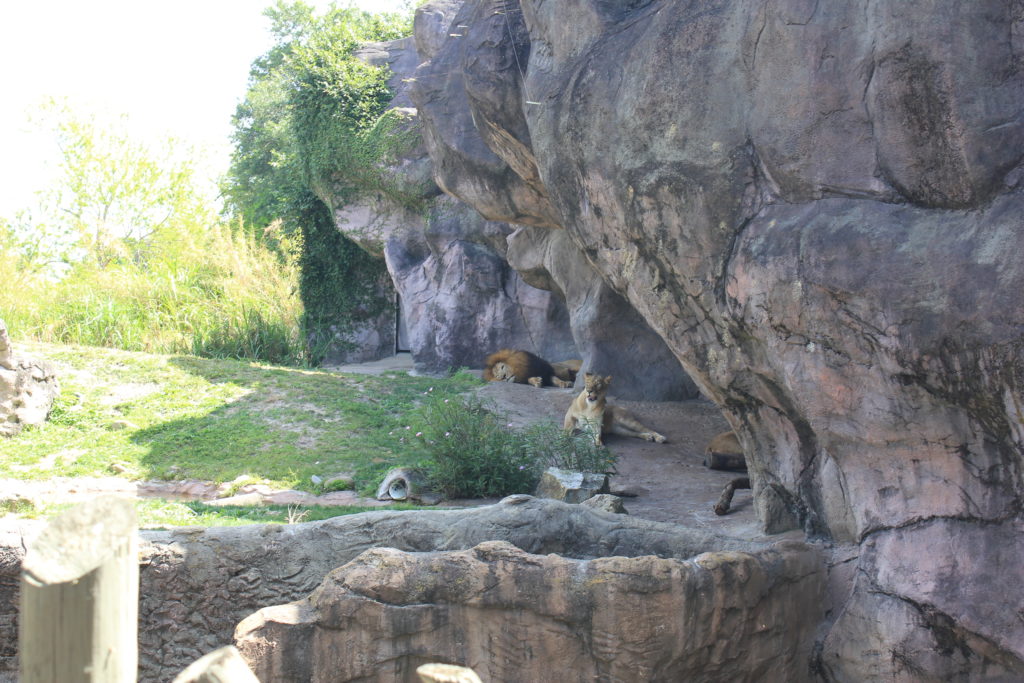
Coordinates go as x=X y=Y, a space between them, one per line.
x=401 y=329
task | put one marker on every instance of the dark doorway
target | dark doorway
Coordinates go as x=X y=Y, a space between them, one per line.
x=401 y=330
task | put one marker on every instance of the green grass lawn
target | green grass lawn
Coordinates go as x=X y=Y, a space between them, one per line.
x=143 y=416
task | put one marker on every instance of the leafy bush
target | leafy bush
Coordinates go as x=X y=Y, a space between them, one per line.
x=313 y=127
x=470 y=451
x=555 y=447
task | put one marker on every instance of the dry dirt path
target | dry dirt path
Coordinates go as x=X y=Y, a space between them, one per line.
x=670 y=480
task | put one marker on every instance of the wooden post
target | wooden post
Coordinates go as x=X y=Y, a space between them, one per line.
x=80 y=597
x=224 y=665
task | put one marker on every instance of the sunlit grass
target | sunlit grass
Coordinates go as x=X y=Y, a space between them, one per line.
x=148 y=416
x=222 y=296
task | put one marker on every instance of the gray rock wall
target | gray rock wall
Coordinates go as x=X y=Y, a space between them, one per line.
x=468 y=285
x=817 y=208
x=459 y=297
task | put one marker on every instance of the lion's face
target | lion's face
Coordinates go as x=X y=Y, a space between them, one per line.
x=502 y=372
x=596 y=386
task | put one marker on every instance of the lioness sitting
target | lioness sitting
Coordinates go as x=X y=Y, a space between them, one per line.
x=590 y=410
x=511 y=365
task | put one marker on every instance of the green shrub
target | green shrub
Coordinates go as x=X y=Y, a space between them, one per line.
x=470 y=451
x=555 y=447
x=313 y=126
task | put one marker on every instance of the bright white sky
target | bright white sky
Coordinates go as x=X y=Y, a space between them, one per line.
x=175 y=68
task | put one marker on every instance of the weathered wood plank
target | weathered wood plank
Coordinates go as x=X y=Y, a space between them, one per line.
x=80 y=597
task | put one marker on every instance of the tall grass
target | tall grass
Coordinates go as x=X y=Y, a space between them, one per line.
x=217 y=293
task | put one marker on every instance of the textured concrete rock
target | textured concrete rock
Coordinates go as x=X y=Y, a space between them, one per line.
x=610 y=335
x=197 y=584
x=464 y=165
x=28 y=387
x=512 y=616
x=571 y=487
x=459 y=297
x=493 y=168
x=606 y=502
x=817 y=207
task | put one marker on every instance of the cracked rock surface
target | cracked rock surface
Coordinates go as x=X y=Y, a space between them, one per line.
x=817 y=208
x=514 y=616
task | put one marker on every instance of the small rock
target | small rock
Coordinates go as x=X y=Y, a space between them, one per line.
x=427 y=498
x=316 y=480
x=339 y=482
x=630 y=491
x=569 y=486
x=516 y=499
x=28 y=387
x=607 y=503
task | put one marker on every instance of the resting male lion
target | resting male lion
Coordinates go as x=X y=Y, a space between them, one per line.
x=523 y=367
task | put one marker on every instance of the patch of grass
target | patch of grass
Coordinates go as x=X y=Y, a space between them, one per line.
x=158 y=514
x=210 y=291
x=183 y=417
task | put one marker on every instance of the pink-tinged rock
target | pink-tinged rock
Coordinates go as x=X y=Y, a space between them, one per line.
x=513 y=616
x=818 y=208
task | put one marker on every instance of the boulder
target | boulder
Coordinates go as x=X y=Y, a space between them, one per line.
x=513 y=616
x=817 y=208
x=606 y=502
x=28 y=388
x=569 y=486
x=197 y=584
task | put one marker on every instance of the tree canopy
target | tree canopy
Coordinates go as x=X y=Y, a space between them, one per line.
x=316 y=114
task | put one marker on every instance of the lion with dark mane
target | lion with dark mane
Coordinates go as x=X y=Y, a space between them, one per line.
x=523 y=367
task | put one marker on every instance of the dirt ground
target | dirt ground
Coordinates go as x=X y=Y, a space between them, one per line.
x=670 y=481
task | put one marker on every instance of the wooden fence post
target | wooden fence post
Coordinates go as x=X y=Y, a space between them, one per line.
x=80 y=597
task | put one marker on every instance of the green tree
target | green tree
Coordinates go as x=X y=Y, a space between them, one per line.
x=126 y=250
x=314 y=117
x=114 y=198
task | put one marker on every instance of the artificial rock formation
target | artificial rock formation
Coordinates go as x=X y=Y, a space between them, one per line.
x=28 y=387
x=817 y=208
x=471 y=282
x=197 y=584
x=512 y=616
x=459 y=298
